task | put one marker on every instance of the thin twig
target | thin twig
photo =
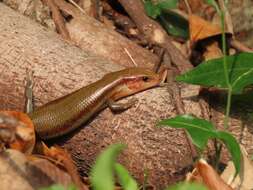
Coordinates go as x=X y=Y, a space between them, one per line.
x=175 y=92
x=97 y=12
x=240 y=46
x=159 y=62
x=228 y=19
x=130 y=56
x=58 y=19
x=77 y=6
x=189 y=10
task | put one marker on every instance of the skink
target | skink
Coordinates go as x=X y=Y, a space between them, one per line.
x=65 y=114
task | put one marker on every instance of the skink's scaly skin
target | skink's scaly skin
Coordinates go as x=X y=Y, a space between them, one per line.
x=67 y=113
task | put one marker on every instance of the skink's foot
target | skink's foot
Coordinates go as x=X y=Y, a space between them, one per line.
x=119 y=107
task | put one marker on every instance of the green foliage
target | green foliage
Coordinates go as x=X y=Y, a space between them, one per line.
x=187 y=186
x=233 y=148
x=172 y=22
x=59 y=187
x=201 y=131
x=167 y=4
x=154 y=10
x=211 y=73
x=125 y=179
x=102 y=173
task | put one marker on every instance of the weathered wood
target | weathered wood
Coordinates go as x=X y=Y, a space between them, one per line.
x=59 y=69
x=88 y=33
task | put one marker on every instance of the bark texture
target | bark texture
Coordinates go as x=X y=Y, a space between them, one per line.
x=59 y=69
x=88 y=34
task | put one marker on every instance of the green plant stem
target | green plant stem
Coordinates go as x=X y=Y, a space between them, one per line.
x=145 y=182
x=229 y=96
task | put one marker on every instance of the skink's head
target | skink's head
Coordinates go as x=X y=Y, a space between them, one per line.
x=134 y=80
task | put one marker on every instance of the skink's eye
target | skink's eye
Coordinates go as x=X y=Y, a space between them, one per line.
x=145 y=79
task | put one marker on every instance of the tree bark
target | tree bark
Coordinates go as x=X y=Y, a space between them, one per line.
x=89 y=34
x=60 y=68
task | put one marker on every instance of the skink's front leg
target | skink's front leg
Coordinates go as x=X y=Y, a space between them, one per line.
x=118 y=107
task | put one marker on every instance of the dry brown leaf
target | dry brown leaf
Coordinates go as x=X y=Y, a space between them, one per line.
x=204 y=173
x=201 y=29
x=62 y=157
x=245 y=179
x=212 y=51
x=24 y=132
x=8 y=127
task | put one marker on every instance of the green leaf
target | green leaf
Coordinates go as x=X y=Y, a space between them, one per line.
x=174 y=24
x=187 y=186
x=53 y=187
x=72 y=187
x=102 y=173
x=233 y=148
x=125 y=179
x=200 y=130
x=151 y=9
x=167 y=4
x=155 y=9
x=211 y=73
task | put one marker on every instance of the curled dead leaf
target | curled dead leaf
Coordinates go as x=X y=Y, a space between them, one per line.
x=206 y=33
x=204 y=173
x=63 y=159
x=20 y=131
x=7 y=130
x=244 y=180
x=201 y=29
